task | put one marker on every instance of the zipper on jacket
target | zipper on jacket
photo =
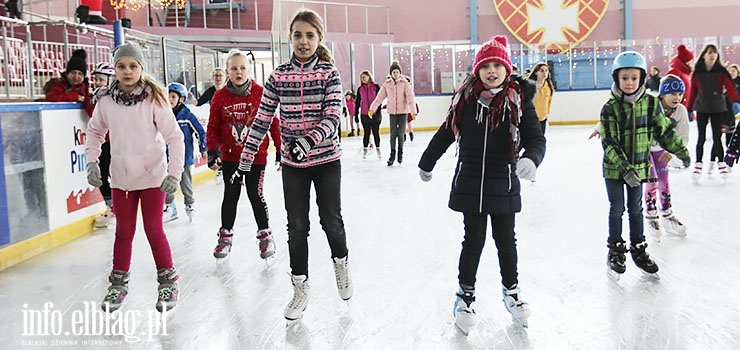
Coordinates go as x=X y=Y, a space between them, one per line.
x=457 y=175
x=509 y=189
x=483 y=166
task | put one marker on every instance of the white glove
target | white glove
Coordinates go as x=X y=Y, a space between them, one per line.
x=425 y=175
x=526 y=169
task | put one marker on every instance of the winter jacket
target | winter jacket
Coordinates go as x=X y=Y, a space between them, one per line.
x=543 y=101
x=190 y=125
x=350 y=107
x=485 y=179
x=627 y=129
x=63 y=91
x=706 y=90
x=309 y=95
x=230 y=119
x=399 y=94
x=681 y=70
x=366 y=94
x=207 y=96
x=681 y=117
x=139 y=135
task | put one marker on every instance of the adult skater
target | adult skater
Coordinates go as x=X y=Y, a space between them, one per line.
x=491 y=118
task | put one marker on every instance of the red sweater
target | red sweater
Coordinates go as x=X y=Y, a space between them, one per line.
x=62 y=91
x=229 y=122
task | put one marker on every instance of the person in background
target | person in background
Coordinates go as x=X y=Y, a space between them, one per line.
x=219 y=79
x=366 y=94
x=102 y=75
x=350 y=113
x=545 y=89
x=189 y=125
x=652 y=83
x=734 y=70
x=681 y=65
x=397 y=89
x=73 y=85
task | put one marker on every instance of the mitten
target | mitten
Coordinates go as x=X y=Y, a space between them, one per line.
x=239 y=175
x=169 y=184
x=93 y=174
x=735 y=108
x=525 y=168
x=425 y=175
x=300 y=147
x=213 y=155
x=631 y=178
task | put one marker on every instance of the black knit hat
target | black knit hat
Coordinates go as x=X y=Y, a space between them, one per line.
x=77 y=62
x=395 y=66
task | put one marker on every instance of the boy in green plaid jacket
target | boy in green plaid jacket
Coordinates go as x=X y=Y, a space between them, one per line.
x=630 y=120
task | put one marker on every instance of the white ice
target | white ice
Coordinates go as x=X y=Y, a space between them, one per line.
x=404 y=245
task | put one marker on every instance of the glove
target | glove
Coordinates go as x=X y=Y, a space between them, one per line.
x=686 y=162
x=93 y=174
x=277 y=156
x=370 y=114
x=169 y=184
x=526 y=169
x=425 y=175
x=239 y=175
x=735 y=108
x=213 y=155
x=299 y=148
x=631 y=178
x=691 y=115
x=730 y=159
x=413 y=116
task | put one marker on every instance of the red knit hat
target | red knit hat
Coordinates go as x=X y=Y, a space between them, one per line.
x=494 y=50
x=684 y=54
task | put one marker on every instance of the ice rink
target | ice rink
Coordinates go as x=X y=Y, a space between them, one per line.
x=404 y=245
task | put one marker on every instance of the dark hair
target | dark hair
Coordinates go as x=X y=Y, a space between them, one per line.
x=317 y=23
x=701 y=66
x=533 y=75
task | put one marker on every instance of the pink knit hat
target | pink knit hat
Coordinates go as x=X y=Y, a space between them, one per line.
x=494 y=50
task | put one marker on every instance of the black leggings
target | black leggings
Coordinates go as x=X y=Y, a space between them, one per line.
x=104 y=162
x=232 y=193
x=475 y=238
x=716 y=120
x=371 y=126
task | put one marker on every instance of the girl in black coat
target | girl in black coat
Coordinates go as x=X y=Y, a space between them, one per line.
x=492 y=118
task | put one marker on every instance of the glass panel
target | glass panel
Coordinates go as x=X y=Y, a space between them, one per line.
x=422 y=61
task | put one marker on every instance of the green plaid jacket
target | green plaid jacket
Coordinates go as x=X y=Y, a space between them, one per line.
x=627 y=130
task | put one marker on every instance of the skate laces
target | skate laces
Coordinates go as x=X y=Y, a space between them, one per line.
x=340 y=273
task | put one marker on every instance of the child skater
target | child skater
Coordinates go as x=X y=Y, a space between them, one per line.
x=630 y=120
x=134 y=110
x=366 y=94
x=189 y=124
x=670 y=92
x=491 y=118
x=102 y=74
x=352 y=119
x=233 y=110
x=309 y=122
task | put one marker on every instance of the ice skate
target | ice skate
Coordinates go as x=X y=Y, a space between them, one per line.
x=518 y=308
x=724 y=170
x=673 y=225
x=266 y=243
x=615 y=259
x=296 y=306
x=117 y=291
x=696 y=175
x=170 y=213
x=224 y=243
x=392 y=158
x=106 y=218
x=463 y=311
x=167 y=290
x=642 y=259
x=219 y=179
x=377 y=150
x=190 y=212
x=343 y=277
x=653 y=225
x=364 y=153
x=400 y=157
x=711 y=167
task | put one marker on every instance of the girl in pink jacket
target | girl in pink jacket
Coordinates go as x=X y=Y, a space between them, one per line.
x=135 y=111
x=400 y=96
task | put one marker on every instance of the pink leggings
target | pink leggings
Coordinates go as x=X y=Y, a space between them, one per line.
x=658 y=180
x=152 y=206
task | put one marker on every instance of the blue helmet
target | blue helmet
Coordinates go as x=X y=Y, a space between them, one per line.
x=179 y=89
x=629 y=59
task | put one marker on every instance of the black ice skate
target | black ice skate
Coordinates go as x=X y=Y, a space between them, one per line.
x=616 y=258
x=642 y=259
x=392 y=159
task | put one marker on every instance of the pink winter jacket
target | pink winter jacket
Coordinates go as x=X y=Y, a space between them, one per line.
x=400 y=96
x=138 y=137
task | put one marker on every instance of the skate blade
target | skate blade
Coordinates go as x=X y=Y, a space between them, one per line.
x=289 y=323
x=522 y=322
x=222 y=262
x=654 y=275
x=465 y=330
x=613 y=274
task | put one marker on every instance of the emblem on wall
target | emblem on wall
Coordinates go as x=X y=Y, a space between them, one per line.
x=552 y=22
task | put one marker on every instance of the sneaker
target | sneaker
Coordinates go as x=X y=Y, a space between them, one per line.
x=344 y=279
x=653 y=225
x=170 y=212
x=190 y=212
x=117 y=291
x=224 y=243
x=105 y=219
x=518 y=308
x=167 y=290
x=266 y=243
x=673 y=225
x=696 y=175
x=296 y=306
x=463 y=311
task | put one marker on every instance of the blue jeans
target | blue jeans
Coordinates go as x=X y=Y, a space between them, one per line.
x=615 y=192
x=326 y=179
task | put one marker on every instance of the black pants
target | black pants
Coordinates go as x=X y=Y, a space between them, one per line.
x=475 y=238
x=104 y=163
x=326 y=179
x=716 y=120
x=371 y=126
x=543 y=124
x=232 y=192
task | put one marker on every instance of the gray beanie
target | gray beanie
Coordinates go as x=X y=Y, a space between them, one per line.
x=128 y=50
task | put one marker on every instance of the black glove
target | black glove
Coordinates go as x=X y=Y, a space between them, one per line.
x=632 y=179
x=277 y=156
x=213 y=155
x=300 y=147
x=239 y=176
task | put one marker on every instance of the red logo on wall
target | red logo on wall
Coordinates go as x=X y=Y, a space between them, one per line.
x=83 y=199
x=553 y=22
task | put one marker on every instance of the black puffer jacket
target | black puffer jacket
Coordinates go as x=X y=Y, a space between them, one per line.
x=488 y=184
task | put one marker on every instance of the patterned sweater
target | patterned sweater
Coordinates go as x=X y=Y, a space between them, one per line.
x=310 y=98
x=628 y=128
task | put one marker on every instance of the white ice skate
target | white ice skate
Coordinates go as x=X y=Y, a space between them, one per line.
x=711 y=167
x=170 y=213
x=696 y=175
x=653 y=225
x=105 y=219
x=518 y=308
x=724 y=170
x=673 y=225
x=343 y=277
x=190 y=211
x=296 y=306
x=463 y=311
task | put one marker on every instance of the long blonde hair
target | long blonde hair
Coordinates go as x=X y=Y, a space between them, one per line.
x=159 y=93
x=313 y=18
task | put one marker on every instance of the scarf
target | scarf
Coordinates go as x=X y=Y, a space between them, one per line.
x=119 y=96
x=242 y=90
x=632 y=98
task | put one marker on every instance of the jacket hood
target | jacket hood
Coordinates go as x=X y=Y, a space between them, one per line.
x=528 y=86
